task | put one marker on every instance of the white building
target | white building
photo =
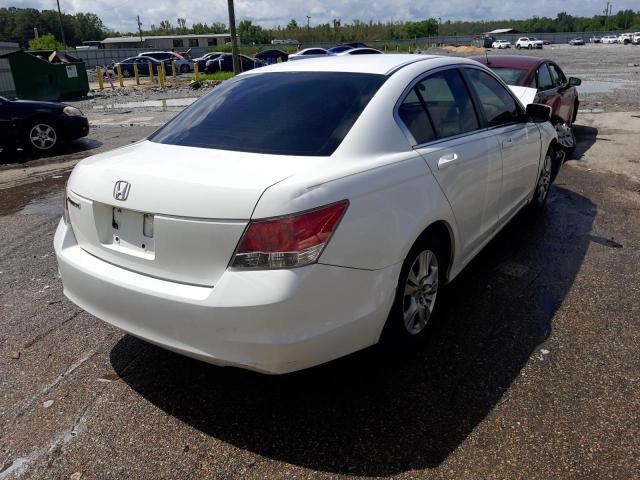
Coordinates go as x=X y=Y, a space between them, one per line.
x=167 y=42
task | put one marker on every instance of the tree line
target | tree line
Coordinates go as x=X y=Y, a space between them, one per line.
x=17 y=25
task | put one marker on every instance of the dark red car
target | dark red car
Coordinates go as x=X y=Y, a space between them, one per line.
x=554 y=88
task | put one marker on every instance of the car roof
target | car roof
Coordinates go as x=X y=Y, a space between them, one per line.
x=375 y=64
x=514 y=61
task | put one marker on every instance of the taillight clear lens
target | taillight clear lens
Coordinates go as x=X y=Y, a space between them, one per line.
x=291 y=241
x=65 y=214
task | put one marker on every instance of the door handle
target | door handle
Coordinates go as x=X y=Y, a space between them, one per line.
x=447 y=159
x=507 y=143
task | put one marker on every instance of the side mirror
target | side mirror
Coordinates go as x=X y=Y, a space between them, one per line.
x=574 y=82
x=538 y=113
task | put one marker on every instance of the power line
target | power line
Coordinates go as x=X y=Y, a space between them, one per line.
x=61 y=27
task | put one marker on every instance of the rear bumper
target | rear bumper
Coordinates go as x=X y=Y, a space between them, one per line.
x=273 y=321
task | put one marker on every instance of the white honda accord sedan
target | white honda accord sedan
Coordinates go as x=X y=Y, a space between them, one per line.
x=303 y=211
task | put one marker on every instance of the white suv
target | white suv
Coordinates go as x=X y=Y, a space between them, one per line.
x=529 y=42
x=610 y=39
x=625 y=38
x=636 y=38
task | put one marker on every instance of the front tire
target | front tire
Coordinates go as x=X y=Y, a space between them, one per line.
x=42 y=136
x=415 y=307
x=184 y=68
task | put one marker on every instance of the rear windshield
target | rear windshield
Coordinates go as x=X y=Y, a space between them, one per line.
x=510 y=76
x=285 y=113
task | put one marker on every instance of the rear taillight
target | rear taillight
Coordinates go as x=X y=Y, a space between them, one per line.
x=291 y=241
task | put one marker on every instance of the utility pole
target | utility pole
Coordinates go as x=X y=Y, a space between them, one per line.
x=308 y=20
x=140 y=30
x=234 y=38
x=61 y=27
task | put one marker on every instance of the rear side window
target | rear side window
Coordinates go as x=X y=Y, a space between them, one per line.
x=284 y=113
x=414 y=116
x=510 y=76
x=448 y=103
x=498 y=105
x=438 y=107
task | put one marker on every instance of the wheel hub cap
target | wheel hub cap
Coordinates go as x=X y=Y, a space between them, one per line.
x=420 y=292
x=42 y=136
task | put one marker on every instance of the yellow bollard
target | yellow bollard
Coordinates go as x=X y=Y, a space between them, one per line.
x=173 y=69
x=100 y=80
x=119 y=70
x=196 y=75
x=161 y=75
x=135 y=73
x=153 y=80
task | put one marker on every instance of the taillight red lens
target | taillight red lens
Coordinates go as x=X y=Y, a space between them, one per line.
x=290 y=241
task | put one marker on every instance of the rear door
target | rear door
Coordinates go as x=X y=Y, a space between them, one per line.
x=5 y=121
x=519 y=140
x=465 y=160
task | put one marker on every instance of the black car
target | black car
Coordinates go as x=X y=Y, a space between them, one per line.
x=224 y=63
x=272 y=56
x=39 y=126
x=143 y=66
x=202 y=61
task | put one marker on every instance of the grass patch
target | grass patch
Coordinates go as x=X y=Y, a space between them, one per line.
x=215 y=76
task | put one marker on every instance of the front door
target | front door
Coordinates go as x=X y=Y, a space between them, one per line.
x=519 y=140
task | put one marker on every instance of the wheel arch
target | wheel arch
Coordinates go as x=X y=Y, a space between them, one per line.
x=442 y=230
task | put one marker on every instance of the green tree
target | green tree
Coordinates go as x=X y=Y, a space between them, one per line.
x=46 y=42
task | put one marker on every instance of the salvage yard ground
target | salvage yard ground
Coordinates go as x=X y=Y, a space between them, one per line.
x=533 y=373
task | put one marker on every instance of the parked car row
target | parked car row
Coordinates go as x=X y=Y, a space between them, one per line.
x=623 y=38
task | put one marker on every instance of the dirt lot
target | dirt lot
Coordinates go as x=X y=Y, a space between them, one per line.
x=533 y=373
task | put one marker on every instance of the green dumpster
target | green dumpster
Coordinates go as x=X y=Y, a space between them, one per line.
x=47 y=75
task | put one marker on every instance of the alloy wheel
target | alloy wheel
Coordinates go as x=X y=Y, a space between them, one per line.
x=544 y=183
x=43 y=136
x=420 y=291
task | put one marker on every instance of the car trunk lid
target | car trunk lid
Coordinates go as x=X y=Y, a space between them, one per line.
x=180 y=211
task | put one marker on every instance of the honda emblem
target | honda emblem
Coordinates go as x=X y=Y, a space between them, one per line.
x=121 y=190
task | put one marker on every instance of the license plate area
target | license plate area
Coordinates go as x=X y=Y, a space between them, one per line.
x=132 y=232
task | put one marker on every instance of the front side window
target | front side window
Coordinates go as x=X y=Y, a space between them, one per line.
x=544 y=78
x=498 y=105
x=283 y=113
x=557 y=75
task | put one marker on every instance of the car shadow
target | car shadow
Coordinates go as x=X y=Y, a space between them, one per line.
x=585 y=138
x=68 y=150
x=377 y=414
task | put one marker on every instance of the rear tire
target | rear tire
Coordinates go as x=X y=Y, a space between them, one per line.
x=416 y=304
x=184 y=68
x=543 y=185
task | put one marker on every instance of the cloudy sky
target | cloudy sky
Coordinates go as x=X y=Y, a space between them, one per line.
x=120 y=14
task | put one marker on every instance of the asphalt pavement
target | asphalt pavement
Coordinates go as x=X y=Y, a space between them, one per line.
x=533 y=371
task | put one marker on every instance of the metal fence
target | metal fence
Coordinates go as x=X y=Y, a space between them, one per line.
x=7 y=87
x=92 y=58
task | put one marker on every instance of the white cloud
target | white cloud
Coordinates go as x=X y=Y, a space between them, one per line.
x=121 y=14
